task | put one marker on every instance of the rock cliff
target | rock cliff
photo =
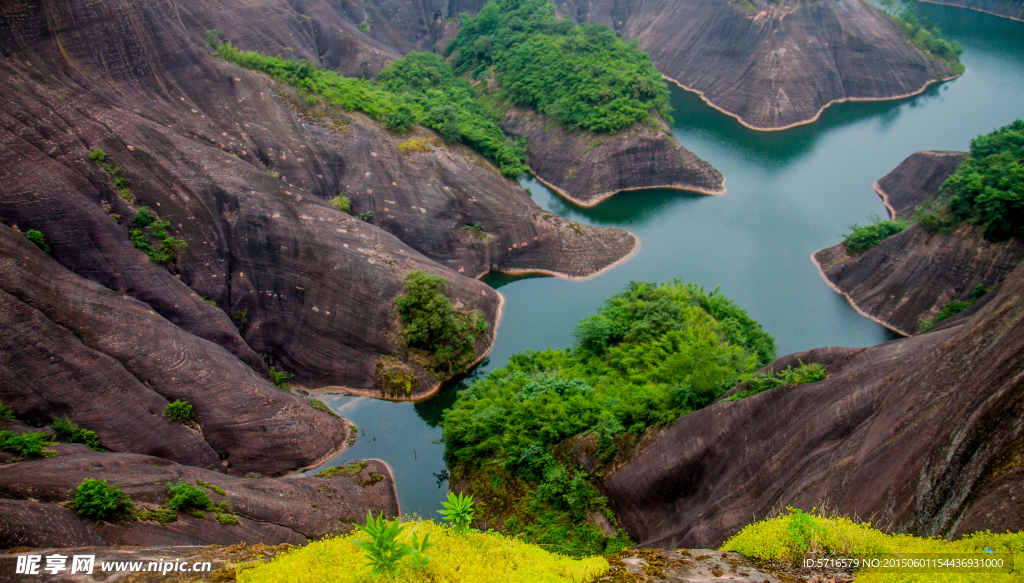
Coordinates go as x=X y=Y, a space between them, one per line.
x=587 y=168
x=920 y=435
x=1012 y=9
x=912 y=275
x=770 y=65
x=269 y=511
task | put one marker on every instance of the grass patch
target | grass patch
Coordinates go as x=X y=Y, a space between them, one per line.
x=342 y=203
x=420 y=145
x=345 y=470
x=791 y=537
x=473 y=557
x=862 y=238
x=803 y=374
x=652 y=353
x=321 y=406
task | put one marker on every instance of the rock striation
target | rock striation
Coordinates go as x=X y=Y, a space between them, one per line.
x=771 y=65
x=912 y=275
x=269 y=511
x=920 y=435
x=587 y=168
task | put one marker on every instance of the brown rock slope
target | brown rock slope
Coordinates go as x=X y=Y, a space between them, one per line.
x=771 y=65
x=269 y=511
x=244 y=181
x=1012 y=9
x=587 y=168
x=921 y=435
x=913 y=274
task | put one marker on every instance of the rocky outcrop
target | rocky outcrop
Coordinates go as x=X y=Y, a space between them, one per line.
x=918 y=434
x=587 y=168
x=912 y=275
x=269 y=511
x=1012 y=9
x=771 y=65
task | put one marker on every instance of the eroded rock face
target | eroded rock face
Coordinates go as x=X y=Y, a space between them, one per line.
x=912 y=275
x=919 y=434
x=1012 y=9
x=771 y=65
x=587 y=168
x=269 y=511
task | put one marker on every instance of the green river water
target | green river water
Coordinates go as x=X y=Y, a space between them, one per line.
x=789 y=194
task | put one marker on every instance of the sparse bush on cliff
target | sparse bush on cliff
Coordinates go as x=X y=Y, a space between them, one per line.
x=178 y=410
x=36 y=236
x=71 y=432
x=988 y=186
x=801 y=375
x=418 y=89
x=583 y=76
x=186 y=497
x=6 y=412
x=342 y=203
x=98 y=500
x=652 y=353
x=26 y=445
x=953 y=308
x=862 y=238
x=430 y=322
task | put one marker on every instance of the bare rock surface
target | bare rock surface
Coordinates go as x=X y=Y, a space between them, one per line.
x=912 y=275
x=771 y=65
x=1012 y=9
x=269 y=510
x=587 y=168
x=917 y=434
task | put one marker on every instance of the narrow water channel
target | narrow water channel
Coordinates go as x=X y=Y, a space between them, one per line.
x=789 y=194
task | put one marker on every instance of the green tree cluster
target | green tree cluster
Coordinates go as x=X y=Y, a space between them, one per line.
x=583 y=76
x=861 y=238
x=988 y=186
x=923 y=34
x=430 y=322
x=652 y=353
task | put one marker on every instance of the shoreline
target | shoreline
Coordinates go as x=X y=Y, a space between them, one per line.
x=821 y=272
x=974 y=9
x=820 y=110
x=885 y=200
x=335 y=389
x=606 y=195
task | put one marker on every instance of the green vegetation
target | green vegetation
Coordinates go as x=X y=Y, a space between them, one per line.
x=98 y=500
x=419 y=89
x=988 y=187
x=789 y=538
x=924 y=35
x=346 y=470
x=803 y=374
x=149 y=226
x=431 y=323
x=26 y=445
x=6 y=412
x=36 y=236
x=860 y=239
x=242 y=317
x=458 y=511
x=367 y=216
x=934 y=217
x=120 y=183
x=321 y=406
x=953 y=308
x=71 y=432
x=280 y=378
x=178 y=410
x=210 y=486
x=342 y=203
x=582 y=76
x=474 y=557
x=653 y=352
x=186 y=497
x=383 y=549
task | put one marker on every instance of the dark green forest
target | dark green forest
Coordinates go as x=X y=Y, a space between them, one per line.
x=583 y=76
x=652 y=353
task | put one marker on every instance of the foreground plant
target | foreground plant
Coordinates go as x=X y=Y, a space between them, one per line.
x=458 y=510
x=383 y=549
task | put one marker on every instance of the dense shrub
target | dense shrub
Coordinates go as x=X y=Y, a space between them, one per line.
x=98 y=500
x=280 y=378
x=71 y=432
x=185 y=496
x=37 y=237
x=862 y=238
x=430 y=322
x=803 y=374
x=6 y=412
x=26 y=445
x=935 y=217
x=342 y=203
x=417 y=89
x=988 y=186
x=178 y=410
x=651 y=354
x=583 y=76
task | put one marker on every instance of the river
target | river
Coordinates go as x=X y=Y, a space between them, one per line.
x=789 y=194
